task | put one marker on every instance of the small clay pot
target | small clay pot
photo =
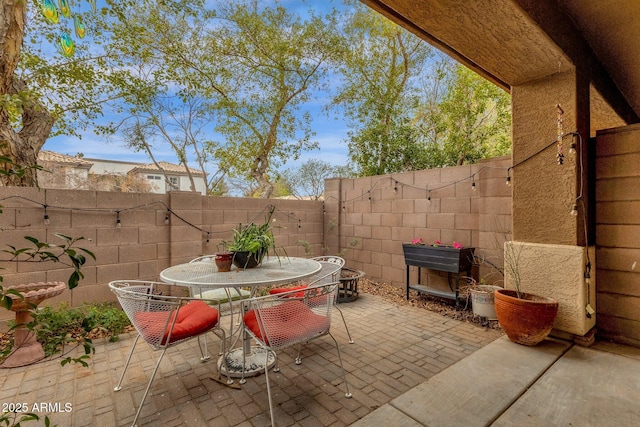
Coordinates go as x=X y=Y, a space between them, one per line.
x=224 y=260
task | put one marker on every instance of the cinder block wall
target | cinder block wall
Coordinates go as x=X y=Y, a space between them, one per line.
x=618 y=233
x=380 y=213
x=143 y=245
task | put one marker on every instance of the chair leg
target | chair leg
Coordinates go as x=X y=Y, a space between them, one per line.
x=299 y=357
x=144 y=396
x=204 y=353
x=345 y=324
x=266 y=375
x=344 y=374
x=223 y=338
x=126 y=365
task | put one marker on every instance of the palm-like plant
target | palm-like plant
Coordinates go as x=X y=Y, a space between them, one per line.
x=255 y=239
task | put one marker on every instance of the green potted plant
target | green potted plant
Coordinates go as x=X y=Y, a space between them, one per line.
x=251 y=243
x=526 y=318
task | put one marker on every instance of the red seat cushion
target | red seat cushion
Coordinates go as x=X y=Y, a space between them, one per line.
x=193 y=319
x=289 y=322
x=276 y=291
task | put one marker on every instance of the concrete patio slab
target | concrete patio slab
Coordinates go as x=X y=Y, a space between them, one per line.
x=585 y=387
x=476 y=390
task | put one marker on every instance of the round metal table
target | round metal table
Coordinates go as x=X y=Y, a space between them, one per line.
x=203 y=274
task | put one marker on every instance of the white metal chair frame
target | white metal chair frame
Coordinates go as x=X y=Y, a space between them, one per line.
x=292 y=318
x=139 y=298
x=330 y=272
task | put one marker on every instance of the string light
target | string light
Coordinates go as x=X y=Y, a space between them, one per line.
x=166 y=218
x=429 y=196
x=118 y=223
x=473 y=182
x=574 y=210
x=46 y=216
x=509 y=177
x=395 y=186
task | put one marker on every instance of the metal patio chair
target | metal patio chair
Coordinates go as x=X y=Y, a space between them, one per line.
x=163 y=321
x=291 y=318
x=330 y=272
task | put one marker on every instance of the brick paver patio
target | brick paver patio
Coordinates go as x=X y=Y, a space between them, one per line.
x=395 y=349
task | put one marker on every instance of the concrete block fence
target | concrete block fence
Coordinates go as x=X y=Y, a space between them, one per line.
x=365 y=220
x=382 y=212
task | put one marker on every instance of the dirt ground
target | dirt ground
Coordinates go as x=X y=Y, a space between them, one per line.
x=443 y=307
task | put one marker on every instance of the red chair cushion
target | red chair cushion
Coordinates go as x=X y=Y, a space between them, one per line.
x=289 y=322
x=193 y=319
x=276 y=291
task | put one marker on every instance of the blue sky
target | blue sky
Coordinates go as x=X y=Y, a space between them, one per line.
x=331 y=131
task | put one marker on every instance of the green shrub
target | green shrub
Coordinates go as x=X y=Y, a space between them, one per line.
x=63 y=326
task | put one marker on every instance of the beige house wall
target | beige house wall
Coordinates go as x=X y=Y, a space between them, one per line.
x=618 y=233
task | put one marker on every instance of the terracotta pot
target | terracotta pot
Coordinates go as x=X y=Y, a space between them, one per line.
x=223 y=261
x=526 y=320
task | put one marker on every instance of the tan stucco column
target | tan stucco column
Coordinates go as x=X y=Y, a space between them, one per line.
x=544 y=193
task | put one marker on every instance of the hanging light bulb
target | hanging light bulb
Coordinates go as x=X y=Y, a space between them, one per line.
x=508 y=177
x=473 y=183
x=574 y=210
x=395 y=186
x=46 y=216
x=118 y=223
x=572 y=148
x=166 y=218
x=429 y=197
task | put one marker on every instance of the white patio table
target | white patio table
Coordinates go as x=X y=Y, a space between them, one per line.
x=203 y=275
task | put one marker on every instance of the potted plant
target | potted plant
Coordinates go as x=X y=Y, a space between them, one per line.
x=483 y=298
x=526 y=318
x=251 y=243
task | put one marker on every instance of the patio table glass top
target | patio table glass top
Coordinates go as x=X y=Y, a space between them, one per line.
x=272 y=271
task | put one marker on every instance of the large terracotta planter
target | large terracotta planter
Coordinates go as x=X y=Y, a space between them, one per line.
x=526 y=320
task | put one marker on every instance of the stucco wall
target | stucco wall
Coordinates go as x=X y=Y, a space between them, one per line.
x=618 y=233
x=556 y=271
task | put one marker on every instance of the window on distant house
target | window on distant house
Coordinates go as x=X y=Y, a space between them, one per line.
x=173 y=182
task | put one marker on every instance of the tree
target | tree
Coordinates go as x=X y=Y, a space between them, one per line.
x=43 y=94
x=379 y=72
x=307 y=181
x=471 y=121
x=254 y=67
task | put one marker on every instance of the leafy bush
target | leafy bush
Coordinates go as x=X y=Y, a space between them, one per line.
x=57 y=328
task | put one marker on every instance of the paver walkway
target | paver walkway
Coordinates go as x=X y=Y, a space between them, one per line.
x=396 y=349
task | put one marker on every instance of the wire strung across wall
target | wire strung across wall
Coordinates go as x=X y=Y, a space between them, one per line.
x=396 y=183
x=167 y=219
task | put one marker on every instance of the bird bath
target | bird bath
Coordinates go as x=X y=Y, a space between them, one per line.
x=26 y=350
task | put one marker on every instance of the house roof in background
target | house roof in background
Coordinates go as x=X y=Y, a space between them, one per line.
x=166 y=167
x=52 y=156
